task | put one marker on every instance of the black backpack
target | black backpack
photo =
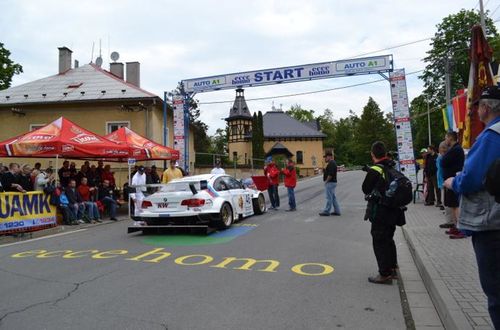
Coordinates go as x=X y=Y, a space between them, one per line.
x=492 y=180
x=399 y=190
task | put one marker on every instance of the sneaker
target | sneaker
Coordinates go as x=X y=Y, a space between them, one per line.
x=98 y=220
x=394 y=274
x=114 y=219
x=324 y=214
x=80 y=221
x=291 y=210
x=447 y=225
x=429 y=204
x=334 y=213
x=272 y=208
x=439 y=204
x=441 y=207
x=452 y=231
x=379 y=279
x=459 y=235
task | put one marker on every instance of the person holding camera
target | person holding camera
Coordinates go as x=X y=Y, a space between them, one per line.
x=383 y=218
x=330 y=180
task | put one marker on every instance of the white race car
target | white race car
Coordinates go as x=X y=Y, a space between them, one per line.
x=214 y=200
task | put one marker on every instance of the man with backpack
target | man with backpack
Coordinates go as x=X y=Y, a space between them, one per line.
x=479 y=212
x=384 y=211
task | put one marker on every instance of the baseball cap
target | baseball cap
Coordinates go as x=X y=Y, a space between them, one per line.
x=423 y=150
x=490 y=92
x=328 y=153
x=141 y=168
x=269 y=159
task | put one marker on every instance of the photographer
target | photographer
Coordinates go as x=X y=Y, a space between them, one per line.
x=383 y=218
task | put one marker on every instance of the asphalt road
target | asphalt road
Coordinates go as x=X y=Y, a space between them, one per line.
x=315 y=276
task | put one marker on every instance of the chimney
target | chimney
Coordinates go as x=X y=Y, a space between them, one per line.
x=77 y=64
x=116 y=68
x=64 y=59
x=134 y=73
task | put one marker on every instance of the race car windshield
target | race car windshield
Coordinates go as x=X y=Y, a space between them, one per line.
x=180 y=186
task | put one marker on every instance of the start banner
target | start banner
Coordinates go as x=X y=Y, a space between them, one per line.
x=26 y=212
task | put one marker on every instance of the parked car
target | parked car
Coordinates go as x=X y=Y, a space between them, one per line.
x=215 y=200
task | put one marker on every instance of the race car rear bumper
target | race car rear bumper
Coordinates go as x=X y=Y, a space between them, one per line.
x=168 y=219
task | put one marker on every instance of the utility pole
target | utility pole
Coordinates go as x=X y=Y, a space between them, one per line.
x=429 y=121
x=481 y=14
x=447 y=87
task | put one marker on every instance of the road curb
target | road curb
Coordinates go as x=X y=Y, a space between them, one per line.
x=449 y=312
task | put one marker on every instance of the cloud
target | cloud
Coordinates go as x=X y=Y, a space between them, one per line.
x=178 y=40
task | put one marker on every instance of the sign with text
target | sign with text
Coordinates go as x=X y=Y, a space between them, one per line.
x=179 y=128
x=402 y=122
x=367 y=65
x=21 y=212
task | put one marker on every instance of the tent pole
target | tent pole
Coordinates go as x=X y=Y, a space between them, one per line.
x=57 y=169
x=129 y=183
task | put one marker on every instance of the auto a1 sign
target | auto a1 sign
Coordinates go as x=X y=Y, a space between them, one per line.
x=377 y=64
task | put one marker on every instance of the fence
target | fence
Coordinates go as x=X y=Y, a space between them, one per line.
x=254 y=166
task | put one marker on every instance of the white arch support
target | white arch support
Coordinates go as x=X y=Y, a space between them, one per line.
x=349 y=67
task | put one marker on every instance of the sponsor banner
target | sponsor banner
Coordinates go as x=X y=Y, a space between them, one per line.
x=26 y=212
x=376 y=64
x=179 y=128
x=399 y=95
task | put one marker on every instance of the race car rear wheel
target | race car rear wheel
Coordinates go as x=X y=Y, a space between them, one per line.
x=259 y=204
x=225 y=217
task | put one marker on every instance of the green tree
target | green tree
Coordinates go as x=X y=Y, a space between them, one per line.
x=258 y=136
x=372 y=126
x=327 y=125
x=451 y=40
x=7 y=68
x=300 y=114
x=218 y=142
x=344 y=146
x=418 y=112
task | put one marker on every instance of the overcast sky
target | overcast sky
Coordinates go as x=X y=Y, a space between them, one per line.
x=175 y=40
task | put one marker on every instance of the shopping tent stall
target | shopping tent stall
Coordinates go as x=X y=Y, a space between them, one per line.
x=62 y=138
x=141 y=148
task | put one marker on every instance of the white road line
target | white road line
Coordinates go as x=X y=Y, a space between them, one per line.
x=44 y=237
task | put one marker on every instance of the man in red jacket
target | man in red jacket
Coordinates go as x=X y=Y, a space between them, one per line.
x=272 y=173
x=290 y=183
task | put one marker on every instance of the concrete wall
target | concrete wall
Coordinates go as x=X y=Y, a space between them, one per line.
x=312 y=152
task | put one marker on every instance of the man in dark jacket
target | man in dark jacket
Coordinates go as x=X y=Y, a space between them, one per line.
x=383 y=218
x=452 y=163
x=10 y=179
x=75 y=201
x=430 y=172
x=107 y=197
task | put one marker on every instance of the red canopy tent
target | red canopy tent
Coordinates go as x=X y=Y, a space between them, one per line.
x=141 y=148
x=62 y=138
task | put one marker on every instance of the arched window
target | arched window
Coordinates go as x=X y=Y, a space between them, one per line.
x=300 y=157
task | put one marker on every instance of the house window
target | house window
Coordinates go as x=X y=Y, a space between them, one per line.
x=234 y=130
x=36 y=126
x=300 y=157
x=112 y=126
x=235 y=155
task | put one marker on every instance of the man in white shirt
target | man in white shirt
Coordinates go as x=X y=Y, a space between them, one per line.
x=139 y=179
x=217 y=169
